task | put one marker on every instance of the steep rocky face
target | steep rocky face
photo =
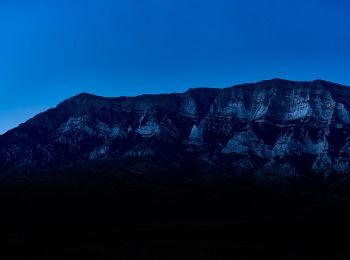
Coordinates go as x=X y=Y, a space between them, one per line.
x=273 y=129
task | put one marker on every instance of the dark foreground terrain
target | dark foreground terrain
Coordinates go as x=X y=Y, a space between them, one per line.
x=111 y=215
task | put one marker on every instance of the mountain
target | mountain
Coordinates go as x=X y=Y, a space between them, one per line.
x=274 y=130
x=243 y=172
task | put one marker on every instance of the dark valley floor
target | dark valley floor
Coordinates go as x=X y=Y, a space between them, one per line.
x=135 y=217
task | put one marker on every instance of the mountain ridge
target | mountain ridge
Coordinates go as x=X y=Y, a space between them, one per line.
x=261 y=129
x=90 y=95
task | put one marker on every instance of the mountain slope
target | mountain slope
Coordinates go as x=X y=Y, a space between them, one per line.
x=277 y=129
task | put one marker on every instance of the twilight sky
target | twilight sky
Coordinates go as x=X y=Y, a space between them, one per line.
x=51 y=50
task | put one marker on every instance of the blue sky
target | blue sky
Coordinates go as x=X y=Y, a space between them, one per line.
x=51 y=50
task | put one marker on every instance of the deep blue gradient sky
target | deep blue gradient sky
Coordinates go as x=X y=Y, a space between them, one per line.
x=51 y=50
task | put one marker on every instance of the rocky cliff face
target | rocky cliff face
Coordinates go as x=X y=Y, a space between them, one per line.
x=273 y=129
